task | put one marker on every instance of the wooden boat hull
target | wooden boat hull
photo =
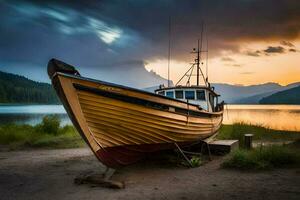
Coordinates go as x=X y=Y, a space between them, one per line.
x=122 y=124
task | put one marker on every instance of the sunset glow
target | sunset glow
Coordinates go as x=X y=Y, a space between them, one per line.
x=240 y=68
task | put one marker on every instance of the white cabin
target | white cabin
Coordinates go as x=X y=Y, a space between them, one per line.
x=203 y=96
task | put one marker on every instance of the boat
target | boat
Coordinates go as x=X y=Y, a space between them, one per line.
x=122 y=125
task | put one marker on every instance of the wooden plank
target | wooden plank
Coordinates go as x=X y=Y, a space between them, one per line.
x=223 y=146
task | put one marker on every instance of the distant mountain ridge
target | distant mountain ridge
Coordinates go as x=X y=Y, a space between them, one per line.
x=237 y=94
x=18 y=89
x=290 y=96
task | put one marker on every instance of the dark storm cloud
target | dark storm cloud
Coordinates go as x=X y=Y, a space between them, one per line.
x=98 y=33
x=277 y=49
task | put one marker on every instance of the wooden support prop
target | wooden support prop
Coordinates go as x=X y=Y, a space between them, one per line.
x=248 y=141
x=183 y=155
x=208 y=149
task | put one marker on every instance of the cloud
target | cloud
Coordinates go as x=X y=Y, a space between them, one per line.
x=69 y=21
x=271 y=49
x=234 y=65
x=227 y=59
x=253 y=53
x=149 y=20
x=286 y=43
x=292 y=50
x=94 y=34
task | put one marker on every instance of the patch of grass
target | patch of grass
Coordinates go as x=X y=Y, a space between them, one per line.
x=47 y=134
x=264 y=157
x=237 y=131
x=196 y=161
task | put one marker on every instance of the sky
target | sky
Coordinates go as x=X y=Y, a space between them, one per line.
x=126 y=41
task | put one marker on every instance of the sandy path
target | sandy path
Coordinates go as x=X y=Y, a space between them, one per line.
x=49 y=174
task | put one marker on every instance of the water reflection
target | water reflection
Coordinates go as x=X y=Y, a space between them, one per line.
x=281 y=117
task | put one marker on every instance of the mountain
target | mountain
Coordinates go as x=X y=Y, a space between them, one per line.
x=239 y=94
x=252 y=99
x=290 y=96
x=18 y=89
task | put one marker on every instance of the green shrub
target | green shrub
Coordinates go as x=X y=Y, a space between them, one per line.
x=264 y=158
x=46 y=134
x=195 y=161
x=50 y=125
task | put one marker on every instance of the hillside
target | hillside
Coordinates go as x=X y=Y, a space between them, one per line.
x=290 y=96
x=18 y=89
x=239 y=94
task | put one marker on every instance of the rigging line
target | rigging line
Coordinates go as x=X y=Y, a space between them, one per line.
x=188 y=82
x=169 y=51
x=185 y=74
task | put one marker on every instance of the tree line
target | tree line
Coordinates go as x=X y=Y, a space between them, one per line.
x=18 y=89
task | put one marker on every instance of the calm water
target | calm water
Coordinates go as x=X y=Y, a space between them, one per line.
x=282 y=117
x=31 y=114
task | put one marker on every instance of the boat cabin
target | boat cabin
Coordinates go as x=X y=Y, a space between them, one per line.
x=203 y=96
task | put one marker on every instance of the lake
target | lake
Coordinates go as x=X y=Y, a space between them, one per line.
x=31 y=114
x=281 y=117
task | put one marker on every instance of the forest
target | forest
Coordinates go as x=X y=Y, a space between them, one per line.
x=18 y=89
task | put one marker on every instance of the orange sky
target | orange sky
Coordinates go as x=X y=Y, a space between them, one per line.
x=282 y=68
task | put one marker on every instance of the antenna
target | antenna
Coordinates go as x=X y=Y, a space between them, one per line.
x=169 y=51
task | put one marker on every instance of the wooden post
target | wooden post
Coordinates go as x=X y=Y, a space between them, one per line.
x=248 y=141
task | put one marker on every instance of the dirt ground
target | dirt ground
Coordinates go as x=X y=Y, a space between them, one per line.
x=49 y=174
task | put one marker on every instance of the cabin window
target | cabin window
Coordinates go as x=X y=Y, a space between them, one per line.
x=161 y=93
x=200 y=94
x=179 y=94
x=189 y=94
x=170 y=94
